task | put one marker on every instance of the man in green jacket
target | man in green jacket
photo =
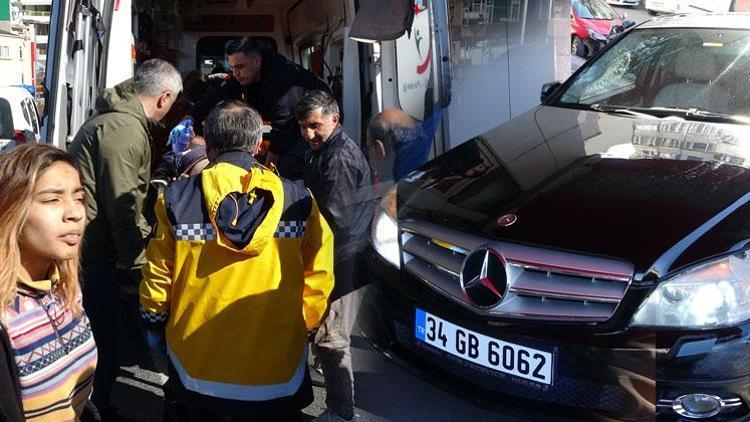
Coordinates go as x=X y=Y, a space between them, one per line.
x=112 y=150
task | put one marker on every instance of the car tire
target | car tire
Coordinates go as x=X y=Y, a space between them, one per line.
x=578 y=47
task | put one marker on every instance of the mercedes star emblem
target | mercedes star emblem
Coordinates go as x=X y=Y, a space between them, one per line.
x=507 y=220
x=484 y=280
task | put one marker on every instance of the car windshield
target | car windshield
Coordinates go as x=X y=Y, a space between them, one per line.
x=6 y=120
x=593 y=9
x=704 y=70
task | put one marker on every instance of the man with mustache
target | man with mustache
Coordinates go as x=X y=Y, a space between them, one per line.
x=337 y=174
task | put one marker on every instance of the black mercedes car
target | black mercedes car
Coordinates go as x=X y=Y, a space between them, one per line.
x=589 y=257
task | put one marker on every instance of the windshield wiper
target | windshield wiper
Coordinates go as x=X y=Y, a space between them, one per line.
x=685 y=113
x=702 y=115
x=608 y=108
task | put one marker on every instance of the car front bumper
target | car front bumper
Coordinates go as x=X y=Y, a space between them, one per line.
x=620 y=375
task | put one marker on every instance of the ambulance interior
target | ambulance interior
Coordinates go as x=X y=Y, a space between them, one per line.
x=193 y=35
x=100 y=44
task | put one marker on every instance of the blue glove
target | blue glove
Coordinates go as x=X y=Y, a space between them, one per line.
x=181 y=135
x=156 y=340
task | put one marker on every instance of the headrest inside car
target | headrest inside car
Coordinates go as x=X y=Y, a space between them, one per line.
x=695 y=65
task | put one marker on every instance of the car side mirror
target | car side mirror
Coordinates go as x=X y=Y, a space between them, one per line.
x=617 y=30
x=548 y=89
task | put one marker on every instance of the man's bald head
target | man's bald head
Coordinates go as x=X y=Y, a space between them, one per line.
x=385 y=132
x=396 y=117
x=385 y=129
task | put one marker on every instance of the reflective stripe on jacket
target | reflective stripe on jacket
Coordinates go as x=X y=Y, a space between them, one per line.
x=240 y=270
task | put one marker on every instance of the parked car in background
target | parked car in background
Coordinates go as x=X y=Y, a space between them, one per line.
x=665 y=6
x=718 y=5
x=19 y=118
x=592 y=254
x=696 y=6
x=632 y=3
x=590 y=25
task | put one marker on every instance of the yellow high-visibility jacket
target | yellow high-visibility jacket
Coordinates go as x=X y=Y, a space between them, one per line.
x=239 y=271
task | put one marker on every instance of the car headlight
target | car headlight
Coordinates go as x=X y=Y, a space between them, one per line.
x=708 y=295
x=384 y=231
x=595 y=35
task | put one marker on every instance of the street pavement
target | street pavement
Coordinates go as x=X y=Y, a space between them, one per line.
x=387 y=391
x=636 y=14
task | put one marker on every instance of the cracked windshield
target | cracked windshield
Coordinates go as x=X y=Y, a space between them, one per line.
x=704 y=69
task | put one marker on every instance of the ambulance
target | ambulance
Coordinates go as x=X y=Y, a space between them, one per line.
x=477 y=63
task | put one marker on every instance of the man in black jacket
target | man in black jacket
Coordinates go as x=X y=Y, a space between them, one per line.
x=338 y=175
x=272 y=85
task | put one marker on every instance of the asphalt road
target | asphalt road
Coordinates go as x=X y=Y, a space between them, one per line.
x=635 y=14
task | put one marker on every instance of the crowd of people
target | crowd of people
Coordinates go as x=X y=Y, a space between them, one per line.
x=250 y=264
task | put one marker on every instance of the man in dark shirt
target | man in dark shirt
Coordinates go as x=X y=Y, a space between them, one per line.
x=272 y=85
x=337 y=174
x=397 y=143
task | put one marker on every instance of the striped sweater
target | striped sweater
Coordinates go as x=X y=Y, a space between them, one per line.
x=54 y=352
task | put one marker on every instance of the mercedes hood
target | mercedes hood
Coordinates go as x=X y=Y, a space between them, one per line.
x=655 y=192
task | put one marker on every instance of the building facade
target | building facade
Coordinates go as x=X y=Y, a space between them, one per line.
x=17 y=48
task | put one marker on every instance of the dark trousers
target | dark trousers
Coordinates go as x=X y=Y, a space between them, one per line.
x=332 y=345
x=101 y=300
x=182 y=405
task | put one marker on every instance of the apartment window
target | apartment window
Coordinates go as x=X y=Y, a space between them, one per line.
x=4 y=52
x=699 y=146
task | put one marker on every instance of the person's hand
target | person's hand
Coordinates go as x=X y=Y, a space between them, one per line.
x=272 y=158
x=181 y=135
x=196 y=141
x=218 y=76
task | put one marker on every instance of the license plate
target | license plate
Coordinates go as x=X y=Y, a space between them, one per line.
x=510 y=358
